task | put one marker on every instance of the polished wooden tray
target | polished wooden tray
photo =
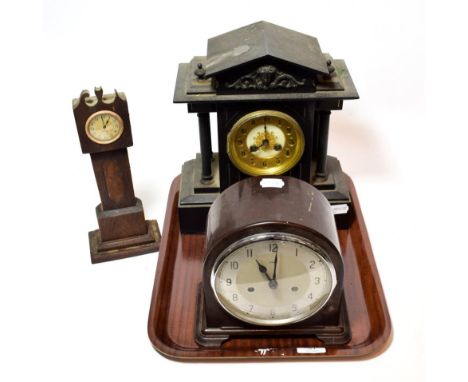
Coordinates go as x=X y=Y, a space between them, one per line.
x=172 y=316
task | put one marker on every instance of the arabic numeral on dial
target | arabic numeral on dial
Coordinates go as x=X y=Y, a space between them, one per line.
x=272 y=313
x=294 y=308
x=249 y=252
x=312 y=264
x=250 y=308
x=309 y=296
x=234 y=265
x=235 y=297
x=229 y=282
x=317 y=280
x=274 y=248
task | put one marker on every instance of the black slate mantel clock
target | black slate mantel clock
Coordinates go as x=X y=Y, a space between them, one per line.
x=272 y=90
x=264 y=253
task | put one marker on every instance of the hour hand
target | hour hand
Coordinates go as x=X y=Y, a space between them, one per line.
x=263 y=269
x=253 y=148
x=271 y=283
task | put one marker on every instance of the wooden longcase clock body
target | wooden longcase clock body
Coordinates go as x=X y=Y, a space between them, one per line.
x=104 y=130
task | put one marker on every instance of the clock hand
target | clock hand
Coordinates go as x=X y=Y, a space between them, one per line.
x=274 y=269
x=271 y=283
x=265 y=141
x=263 y=270
x=253 y=148
x=106 y=122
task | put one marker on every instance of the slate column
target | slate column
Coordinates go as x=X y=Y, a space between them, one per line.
x=324 y=121
x=205 y=146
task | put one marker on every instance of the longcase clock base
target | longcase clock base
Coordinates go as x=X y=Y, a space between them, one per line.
x=172 y=323
x=122 y=248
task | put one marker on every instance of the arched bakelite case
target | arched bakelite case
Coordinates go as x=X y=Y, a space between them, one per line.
x=259 y=205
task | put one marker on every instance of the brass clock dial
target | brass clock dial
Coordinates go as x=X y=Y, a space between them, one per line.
x=265 y=142
x=104 y=127
x=273 y=279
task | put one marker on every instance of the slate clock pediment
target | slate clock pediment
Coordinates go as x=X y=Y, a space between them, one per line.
x=263 y=61
x=264 y=40
x=263 y=57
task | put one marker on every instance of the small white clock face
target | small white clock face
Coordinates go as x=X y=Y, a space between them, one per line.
x=273 y=279
x=104 y=127
x=267 y=132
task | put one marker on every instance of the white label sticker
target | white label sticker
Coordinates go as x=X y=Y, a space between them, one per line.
x=272 y=183
x=339 y=209
x=311 y=350
x=264 y=351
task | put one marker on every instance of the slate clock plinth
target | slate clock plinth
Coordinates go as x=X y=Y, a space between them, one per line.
x=195 y=197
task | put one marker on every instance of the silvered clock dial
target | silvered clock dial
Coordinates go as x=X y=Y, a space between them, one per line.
x=273 y=279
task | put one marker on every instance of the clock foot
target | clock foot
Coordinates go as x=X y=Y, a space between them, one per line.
x=122 y=248
x=335 y=188
x=196 y=197
x=208 y=340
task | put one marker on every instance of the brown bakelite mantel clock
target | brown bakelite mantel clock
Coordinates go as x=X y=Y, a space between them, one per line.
x=272 y=266
x=265 y=254
x=104 y=130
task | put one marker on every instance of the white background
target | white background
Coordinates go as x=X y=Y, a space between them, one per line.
x=403 y=143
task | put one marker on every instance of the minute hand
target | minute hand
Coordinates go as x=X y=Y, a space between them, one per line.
x=274 y=269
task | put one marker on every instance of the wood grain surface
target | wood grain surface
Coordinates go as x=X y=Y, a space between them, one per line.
x=172 y=316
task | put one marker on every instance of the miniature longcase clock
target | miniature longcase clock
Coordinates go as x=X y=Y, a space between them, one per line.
x=264 y=253
x=104 y=130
